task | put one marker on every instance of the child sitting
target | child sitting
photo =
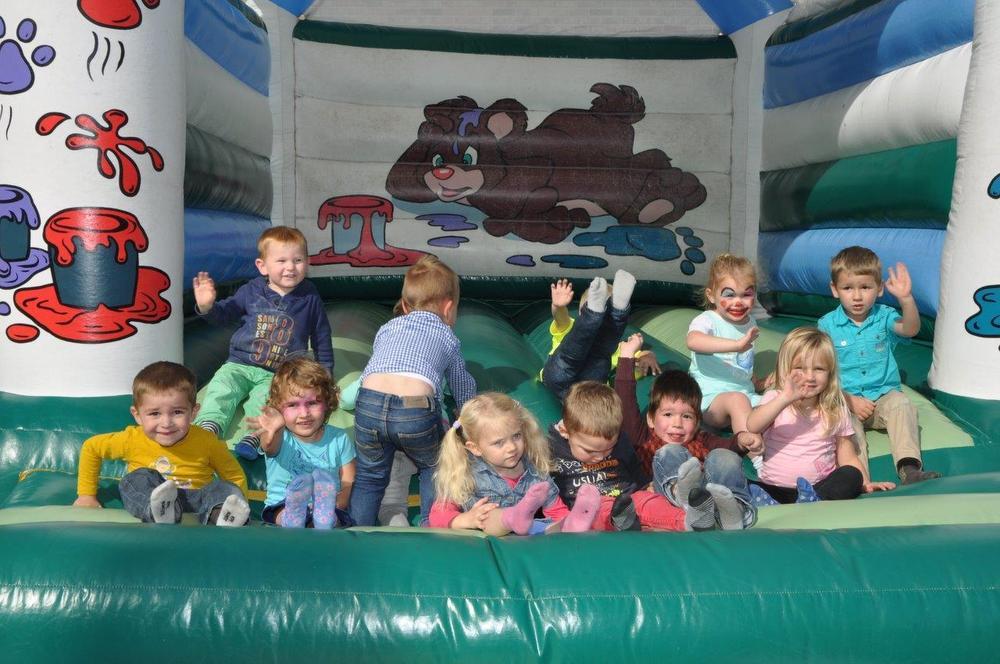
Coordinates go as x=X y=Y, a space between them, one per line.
x=586 y=349
x=672 y=448
x=279 y=314
x=721 y=343
x=865 y=334
x=310 y=464
x=808 y=451
x=492 y=474
x=589 y=447
x=170 y=463
x=398 y=406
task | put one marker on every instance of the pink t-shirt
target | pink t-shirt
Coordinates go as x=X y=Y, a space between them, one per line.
x=797 y=445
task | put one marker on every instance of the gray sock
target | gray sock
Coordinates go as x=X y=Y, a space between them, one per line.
x=689 y=477
x=163 y=503
x=235 y=512
x=699 y=514
x=730 y=510
x=623 y=516
x=597 y=295
x=621 y=290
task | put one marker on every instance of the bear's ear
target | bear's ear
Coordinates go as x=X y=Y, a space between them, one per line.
x=505 y=117
x=445 y=113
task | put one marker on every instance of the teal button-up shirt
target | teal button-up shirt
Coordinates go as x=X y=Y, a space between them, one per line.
x=865 y=352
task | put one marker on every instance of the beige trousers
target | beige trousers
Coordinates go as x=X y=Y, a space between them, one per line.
x=895 y=415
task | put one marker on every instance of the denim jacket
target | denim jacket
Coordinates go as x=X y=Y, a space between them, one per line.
x=491 y=486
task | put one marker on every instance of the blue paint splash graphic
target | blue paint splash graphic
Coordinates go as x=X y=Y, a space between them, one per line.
x=994 y=189
x=449 y=241
x=15 y=273
x=576 y=262
x=658 y=244
x=450 y=223
x=985 y=322
x=522 y=260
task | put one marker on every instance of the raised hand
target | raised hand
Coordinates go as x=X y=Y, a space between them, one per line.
x=562 y=293
x=745 y=343
x=268 y=423
x=630 y=346
x=898 y=284
x=646 y=364
x=794 y=387
x=204 y=291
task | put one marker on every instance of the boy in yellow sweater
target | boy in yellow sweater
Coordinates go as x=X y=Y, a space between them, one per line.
x=171 y=465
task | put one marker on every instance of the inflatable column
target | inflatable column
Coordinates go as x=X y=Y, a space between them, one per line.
x=967 y=337
x=92 y=114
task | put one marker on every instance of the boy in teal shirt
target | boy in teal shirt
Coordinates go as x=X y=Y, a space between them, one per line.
x=865 y=334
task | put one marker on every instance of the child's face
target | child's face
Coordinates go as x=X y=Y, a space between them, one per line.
x=165 y=417
x=857 y=294
x=284 y=265
x=674 y=421
x=733 y=297
x=587 y=447
x=814 y=371
x=304 y=414
x=501 y=446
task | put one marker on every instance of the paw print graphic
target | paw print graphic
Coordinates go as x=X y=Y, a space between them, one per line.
x=16 y=74
x=693 y=255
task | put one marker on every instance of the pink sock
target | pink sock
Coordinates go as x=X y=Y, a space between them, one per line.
x=520 y=517
x=581 y=517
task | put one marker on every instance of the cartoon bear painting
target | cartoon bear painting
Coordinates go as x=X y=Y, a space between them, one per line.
x=541 y=184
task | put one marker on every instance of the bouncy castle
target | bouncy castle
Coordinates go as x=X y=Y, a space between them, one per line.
x=144 y=142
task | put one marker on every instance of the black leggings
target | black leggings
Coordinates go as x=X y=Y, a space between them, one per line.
x=845 y=483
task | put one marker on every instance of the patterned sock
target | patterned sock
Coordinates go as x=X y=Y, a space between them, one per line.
x=581 y=517
x=761 y=498
x=689 y=477
x=597 y=295
x=297 y=498
x=209 y=425
x=235 y=512
x=623 y=516
x=324 y=500
x=163 y=503
x=621 y=289
x=807 y=494
x=699 y=514
x=729 y=510
x=519 y=517
x=248 y=447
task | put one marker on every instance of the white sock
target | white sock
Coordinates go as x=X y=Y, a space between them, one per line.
x=621 y=290
x=597 y=295
x=234 y=512
x=728 y=508
x=162 y=503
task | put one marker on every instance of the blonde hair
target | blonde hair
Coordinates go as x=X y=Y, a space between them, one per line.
x=298 y=374
x=858 y=261
x=427 y=285
x=453 y=478
x=722 y=266
x=280 y=235
x=592 y=408
x=809 y=341
x=160 y=377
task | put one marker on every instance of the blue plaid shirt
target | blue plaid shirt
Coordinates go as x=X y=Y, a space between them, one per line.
x=421 y=343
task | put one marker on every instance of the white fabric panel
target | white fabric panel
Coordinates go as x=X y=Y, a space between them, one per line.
x=413 y=79
x=149 y=88
x=224 y=106
x=282 y=102
x=917 y=104
x=527 y=17
x=966 y=364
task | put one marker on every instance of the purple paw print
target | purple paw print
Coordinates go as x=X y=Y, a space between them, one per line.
x=16 y=74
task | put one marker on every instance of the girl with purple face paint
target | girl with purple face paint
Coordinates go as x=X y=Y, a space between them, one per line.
x=721 y=342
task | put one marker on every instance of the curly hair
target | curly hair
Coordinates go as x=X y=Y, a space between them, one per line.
x=298 y=374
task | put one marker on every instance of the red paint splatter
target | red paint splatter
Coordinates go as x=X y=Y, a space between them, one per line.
x=93 y=226
x=108 y=142
x=117 y=14
x=368 y=253
x=21 y=334
x=100 y=325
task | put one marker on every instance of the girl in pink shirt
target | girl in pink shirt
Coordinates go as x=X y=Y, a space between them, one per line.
x=809 y=452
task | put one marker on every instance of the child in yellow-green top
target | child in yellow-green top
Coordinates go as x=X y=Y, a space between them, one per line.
x=171 y=465
x=587 y=348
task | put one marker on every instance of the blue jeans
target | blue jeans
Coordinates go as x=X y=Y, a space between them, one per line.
x=384 y=423
x=136 y=487
x=723 y=467
x=585 y=352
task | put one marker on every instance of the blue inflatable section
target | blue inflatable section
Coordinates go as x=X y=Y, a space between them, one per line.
x=799 y=261
x=880 y=39
x=223 y=244
x=230 y=39
x=732 y=16
x=293 y=7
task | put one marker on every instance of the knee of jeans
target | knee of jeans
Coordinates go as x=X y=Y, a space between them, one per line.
x=671 y=454
x=141 y=475
x=723 y=461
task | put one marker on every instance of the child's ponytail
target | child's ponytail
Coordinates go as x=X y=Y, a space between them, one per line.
x=453 y=478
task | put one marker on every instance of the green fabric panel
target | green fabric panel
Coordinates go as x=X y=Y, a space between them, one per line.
x=981 y=416
x=533 y=46
x=938 y=510
x=219 y=175
x=306 y=595
x=800 y=29
x=904 y=187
